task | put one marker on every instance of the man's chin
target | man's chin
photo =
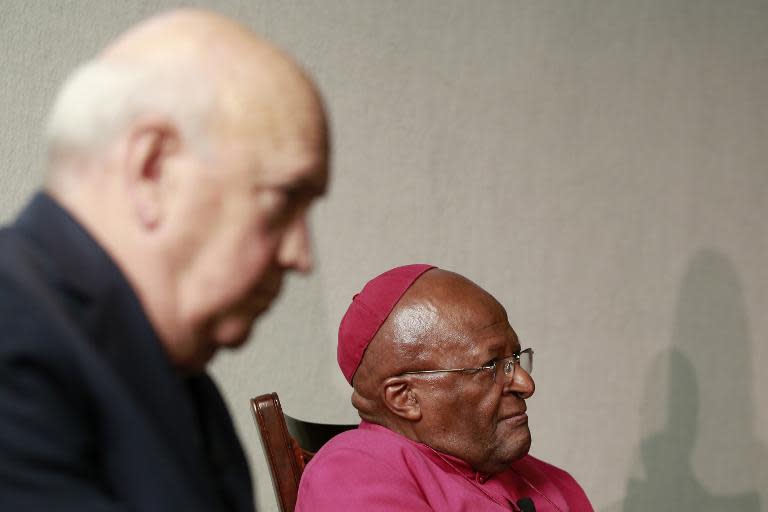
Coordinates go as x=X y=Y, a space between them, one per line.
x=505 y=456
x=518 y=449
x=194 y=363
x=524 y=444
x=232 y=333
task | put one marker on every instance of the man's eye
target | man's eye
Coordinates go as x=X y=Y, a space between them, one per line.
x=291 y=194
x=288 y=203
x=491 y=363
x=294 y=194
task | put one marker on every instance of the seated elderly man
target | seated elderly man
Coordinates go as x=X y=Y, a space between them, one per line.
x=440 y=382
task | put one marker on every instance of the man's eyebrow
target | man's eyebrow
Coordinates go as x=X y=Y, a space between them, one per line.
x=500 y=347
x=304 y=185
x=496 y=349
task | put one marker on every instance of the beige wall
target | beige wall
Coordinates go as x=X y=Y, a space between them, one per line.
x=599 y=166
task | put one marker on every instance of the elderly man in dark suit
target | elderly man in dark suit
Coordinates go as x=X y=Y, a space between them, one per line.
x=182 y=162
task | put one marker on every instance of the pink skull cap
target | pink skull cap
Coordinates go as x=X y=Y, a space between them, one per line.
x=368 y=311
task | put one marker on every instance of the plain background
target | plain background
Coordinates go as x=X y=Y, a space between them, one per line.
x=599 y=166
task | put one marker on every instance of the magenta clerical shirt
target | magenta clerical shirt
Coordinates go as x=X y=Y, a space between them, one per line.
x=373 y=469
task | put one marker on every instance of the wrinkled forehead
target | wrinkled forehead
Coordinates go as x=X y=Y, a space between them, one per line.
x=446 y=311
x=285 y=139
x=477 y=324
x=270 y=100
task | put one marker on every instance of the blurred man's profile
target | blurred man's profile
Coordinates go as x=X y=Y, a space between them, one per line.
x=440 y=381
x=182 y=161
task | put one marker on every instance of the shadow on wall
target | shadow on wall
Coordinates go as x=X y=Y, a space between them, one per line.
x=699 y=452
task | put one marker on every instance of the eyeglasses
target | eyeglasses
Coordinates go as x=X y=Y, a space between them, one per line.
x=524 y=359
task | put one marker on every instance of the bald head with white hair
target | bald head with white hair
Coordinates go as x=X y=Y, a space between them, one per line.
x=191 y=149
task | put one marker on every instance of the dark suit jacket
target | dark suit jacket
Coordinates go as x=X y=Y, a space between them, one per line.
x=92 y=415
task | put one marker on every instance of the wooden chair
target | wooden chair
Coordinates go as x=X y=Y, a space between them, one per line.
x=289 y=445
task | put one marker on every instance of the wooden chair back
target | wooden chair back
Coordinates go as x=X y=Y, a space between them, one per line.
x=289 y=444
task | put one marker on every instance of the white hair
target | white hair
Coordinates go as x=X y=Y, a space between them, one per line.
x=101 y=98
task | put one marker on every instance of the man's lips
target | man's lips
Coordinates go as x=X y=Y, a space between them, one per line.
x=520 y=418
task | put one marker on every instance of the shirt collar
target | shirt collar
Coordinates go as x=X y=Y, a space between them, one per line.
x=440 y=458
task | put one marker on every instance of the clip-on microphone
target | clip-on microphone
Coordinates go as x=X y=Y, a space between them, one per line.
x=526 y=505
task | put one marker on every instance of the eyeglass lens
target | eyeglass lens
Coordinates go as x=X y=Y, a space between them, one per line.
x=506 y=368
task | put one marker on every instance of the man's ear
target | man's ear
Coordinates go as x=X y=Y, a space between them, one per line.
x=401 y=399
x=149 y=144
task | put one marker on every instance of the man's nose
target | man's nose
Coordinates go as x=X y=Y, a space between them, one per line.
x=520 y=383
x=295 y=247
